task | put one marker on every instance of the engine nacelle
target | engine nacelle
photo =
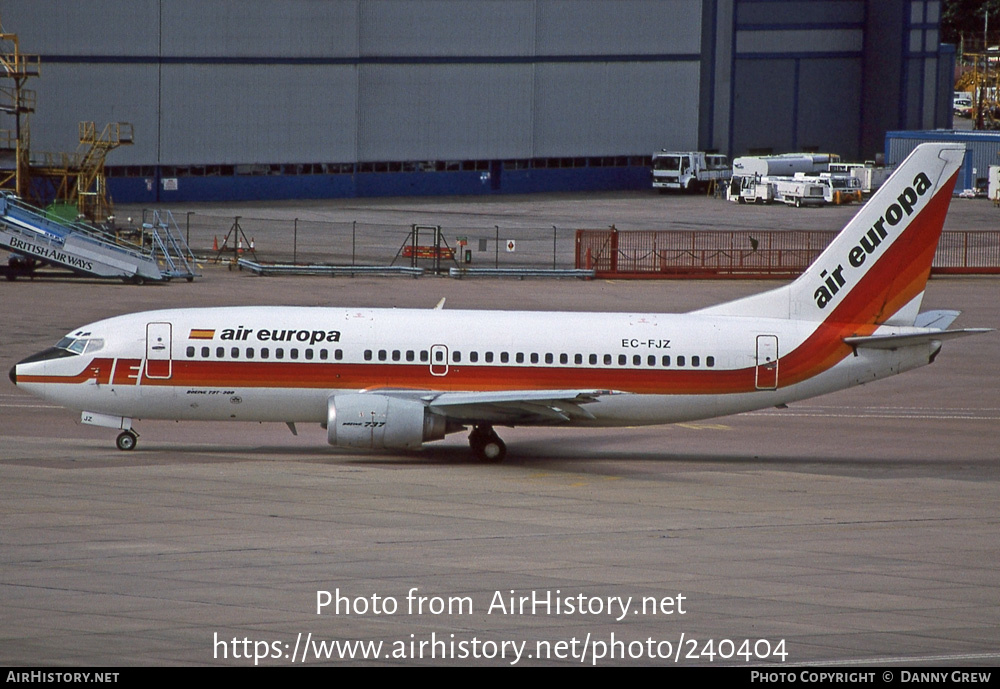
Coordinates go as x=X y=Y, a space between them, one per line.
x=376 y=422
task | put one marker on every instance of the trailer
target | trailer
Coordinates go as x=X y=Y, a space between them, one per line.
x=838 y=187
x=688 y=170
x=798 y=192
x=785 y=164
x=870 y=177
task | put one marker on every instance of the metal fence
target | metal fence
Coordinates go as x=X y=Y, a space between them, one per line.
x=301 y=241
x=692 y=254
x=612 y=253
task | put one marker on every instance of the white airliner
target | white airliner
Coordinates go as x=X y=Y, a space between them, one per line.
x=398 y=378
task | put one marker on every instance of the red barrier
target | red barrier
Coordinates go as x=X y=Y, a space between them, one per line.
x=752 y=254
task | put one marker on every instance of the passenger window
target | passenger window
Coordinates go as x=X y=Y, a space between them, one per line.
x=204 y=352
x=220 y=352
x=309 y=354
x=548 y=358
x=249 y=352
x=695 y=361
x=294 y=353
x=235 y=352
x=564 y=358
x=578 y=359
x=607 y=359
x=424 y=355
x=519 y=358
x=622 y=359
x=456 y=356
x=368 y=355
x=473 y=357
x=190 y=352
x=382 y=355
x=680 y=361
x=534 y=358
x=264 y=352
x=710 y=361
x=489 y=357
x=396 y=356
x=279 y=353
x=324 y=354
x=637 y=360
x=593 y=359
x=409 y=355
x=665 y=361
x=438 y=356
x=504 y=357
x=651 y=360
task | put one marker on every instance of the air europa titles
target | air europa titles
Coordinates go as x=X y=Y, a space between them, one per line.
x=870 y=241
x=311 y=337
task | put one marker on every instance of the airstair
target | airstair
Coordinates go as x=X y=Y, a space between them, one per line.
x=168 y=248
x=35 y=240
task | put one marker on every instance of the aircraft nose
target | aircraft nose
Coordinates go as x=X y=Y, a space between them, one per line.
x=13 y=374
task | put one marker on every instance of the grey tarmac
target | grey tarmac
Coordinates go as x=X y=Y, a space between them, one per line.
x=856 y=528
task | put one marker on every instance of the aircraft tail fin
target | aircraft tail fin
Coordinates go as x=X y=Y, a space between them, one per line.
x=875 y=270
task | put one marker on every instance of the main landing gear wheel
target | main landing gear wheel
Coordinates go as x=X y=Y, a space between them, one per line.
x=127 y=440
x=486 y=445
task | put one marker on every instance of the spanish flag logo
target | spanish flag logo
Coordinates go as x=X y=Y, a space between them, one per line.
x=202 y=334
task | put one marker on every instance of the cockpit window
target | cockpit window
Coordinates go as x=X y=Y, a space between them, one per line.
x=81 y=345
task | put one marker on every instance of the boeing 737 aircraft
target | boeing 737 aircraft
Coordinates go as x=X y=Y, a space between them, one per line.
x=396 y=379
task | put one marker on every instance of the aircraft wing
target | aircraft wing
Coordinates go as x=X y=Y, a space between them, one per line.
x=520 y=407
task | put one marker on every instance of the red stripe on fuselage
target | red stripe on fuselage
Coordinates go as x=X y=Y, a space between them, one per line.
x=460 y=377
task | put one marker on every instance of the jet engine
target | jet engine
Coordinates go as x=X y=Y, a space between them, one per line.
x=376 y=422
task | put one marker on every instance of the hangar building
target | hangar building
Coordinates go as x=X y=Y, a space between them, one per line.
x=305 y=98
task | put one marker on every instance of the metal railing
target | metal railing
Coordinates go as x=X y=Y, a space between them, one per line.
x=688 y=254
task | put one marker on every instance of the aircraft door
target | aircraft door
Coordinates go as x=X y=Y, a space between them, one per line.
x=767 y=362
x=159 y=362
x=439 y=360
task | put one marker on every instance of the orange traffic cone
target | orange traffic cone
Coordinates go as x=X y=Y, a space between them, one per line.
x=215 y=243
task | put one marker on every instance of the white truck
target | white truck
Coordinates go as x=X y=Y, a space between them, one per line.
x=794 y=191
x=688 y=170
x=750 y=189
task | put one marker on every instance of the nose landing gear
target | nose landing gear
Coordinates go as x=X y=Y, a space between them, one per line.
x=127 y=440
x=487 y=445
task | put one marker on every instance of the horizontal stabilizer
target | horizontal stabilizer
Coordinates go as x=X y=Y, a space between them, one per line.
x=911 y=339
